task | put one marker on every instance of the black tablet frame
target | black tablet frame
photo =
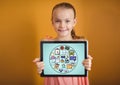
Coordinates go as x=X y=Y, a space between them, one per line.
x=41 y=57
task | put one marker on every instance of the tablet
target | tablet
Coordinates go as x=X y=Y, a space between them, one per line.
x=63 y=58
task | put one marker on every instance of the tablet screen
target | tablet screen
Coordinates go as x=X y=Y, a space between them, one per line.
x=63 y=58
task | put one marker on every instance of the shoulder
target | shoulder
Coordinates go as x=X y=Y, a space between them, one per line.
x=48 y=38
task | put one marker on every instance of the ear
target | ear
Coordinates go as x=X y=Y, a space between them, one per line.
x=75 y=21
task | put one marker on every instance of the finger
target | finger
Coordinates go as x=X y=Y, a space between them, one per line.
x=89 y=57
x=36 y=60
x=87 y=61
x=39 y=64
x=88 y=67
x=40 y=69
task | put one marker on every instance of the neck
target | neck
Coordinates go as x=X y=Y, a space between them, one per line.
x=64 y=38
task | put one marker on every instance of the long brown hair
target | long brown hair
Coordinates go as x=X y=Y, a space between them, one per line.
x=67 y=6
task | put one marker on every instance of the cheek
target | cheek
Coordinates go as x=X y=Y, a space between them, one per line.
x=71 y=26
x=55 y=26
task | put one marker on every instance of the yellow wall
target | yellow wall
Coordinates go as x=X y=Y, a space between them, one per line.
x=23 y=23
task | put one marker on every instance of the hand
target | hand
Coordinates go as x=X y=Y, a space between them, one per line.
x=88 y=62
x=40 y=65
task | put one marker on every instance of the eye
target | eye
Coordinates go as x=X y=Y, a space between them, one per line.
x=57 y=20
x=67 y=21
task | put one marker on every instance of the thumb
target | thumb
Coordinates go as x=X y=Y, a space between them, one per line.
x=36 y=60
x=89 y=57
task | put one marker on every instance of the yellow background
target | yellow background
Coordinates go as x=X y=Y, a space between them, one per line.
x=23 y=23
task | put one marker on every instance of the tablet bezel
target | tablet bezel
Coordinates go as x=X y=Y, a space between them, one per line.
x=41 y=56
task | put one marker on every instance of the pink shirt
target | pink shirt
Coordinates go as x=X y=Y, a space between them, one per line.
x=66 y=81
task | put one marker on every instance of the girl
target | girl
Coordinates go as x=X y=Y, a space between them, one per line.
x=63 y=20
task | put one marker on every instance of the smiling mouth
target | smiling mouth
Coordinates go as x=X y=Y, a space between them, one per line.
x=62 y=30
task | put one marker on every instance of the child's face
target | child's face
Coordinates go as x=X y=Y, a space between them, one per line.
x=63 y=21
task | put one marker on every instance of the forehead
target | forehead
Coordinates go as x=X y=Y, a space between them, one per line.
x=63 y=13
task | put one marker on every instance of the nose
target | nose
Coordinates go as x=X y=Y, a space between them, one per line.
x=62 y=24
